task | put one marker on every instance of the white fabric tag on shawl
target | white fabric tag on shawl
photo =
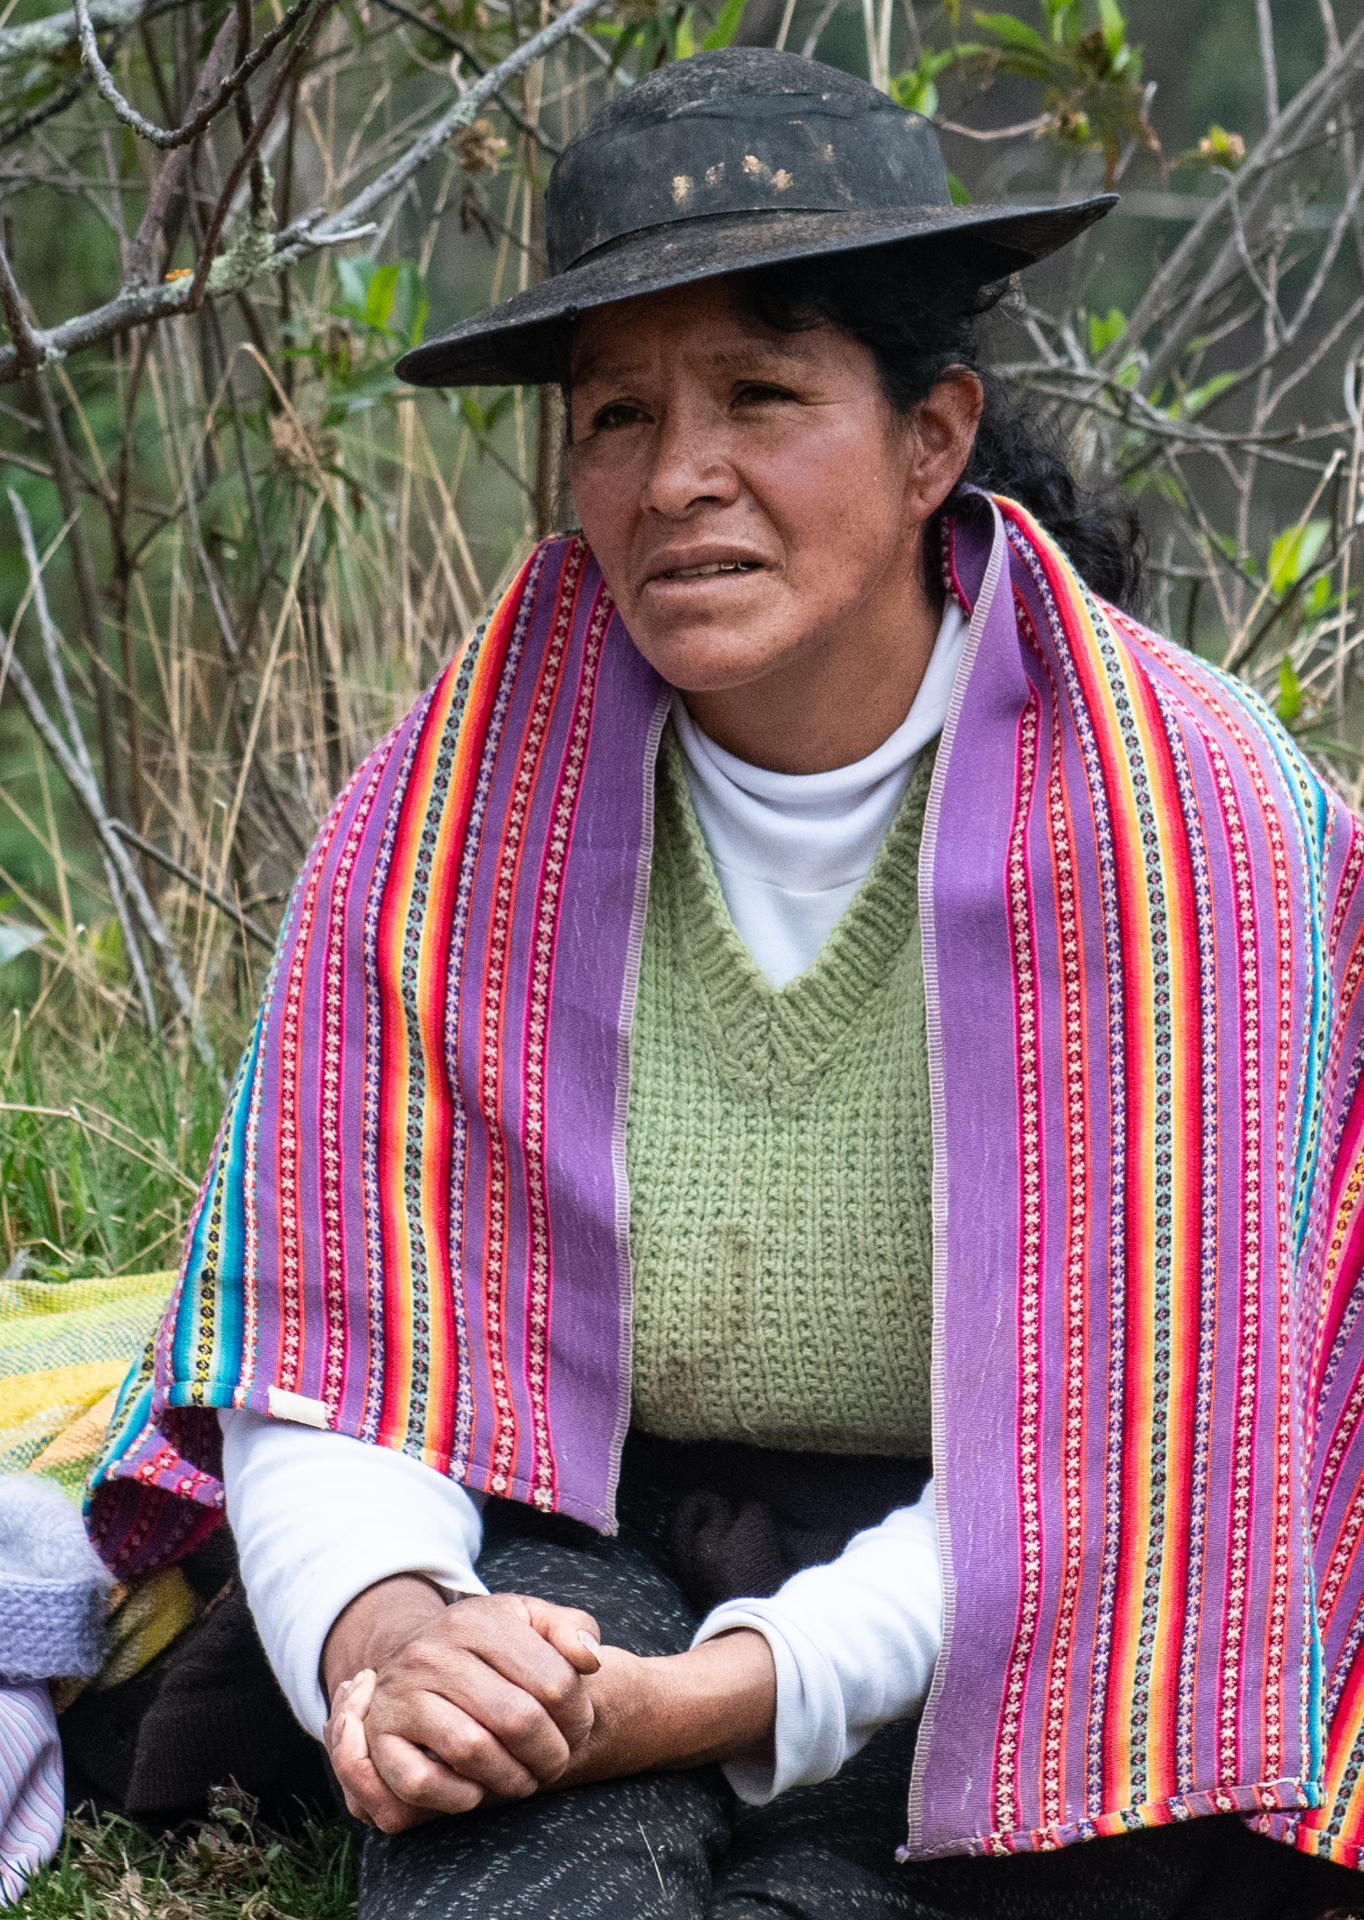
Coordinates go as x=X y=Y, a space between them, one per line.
x=298 y=1408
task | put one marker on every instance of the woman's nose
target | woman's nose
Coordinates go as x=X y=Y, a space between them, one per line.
x=691 y=465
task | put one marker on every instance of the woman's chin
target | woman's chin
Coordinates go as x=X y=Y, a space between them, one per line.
x=710 y=655
x=714 y=663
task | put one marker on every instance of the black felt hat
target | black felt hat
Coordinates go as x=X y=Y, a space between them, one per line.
x=721 y=163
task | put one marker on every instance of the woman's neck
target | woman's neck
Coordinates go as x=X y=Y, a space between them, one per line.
x=834 y=705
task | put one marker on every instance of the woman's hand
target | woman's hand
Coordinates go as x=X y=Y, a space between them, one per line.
x=436 y=1707
x=716 y=1702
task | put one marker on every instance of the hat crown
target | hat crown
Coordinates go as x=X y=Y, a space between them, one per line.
x=743 y=131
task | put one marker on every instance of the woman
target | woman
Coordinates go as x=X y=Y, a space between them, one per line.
x=819 y=986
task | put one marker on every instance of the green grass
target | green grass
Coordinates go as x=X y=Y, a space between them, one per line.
x=229 y=1867
x=102 y=1147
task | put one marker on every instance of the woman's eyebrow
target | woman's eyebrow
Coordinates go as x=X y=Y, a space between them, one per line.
x=599 y=364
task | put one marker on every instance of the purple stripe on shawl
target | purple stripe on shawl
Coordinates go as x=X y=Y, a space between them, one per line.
x=594 y=985
x=599 y=899
x=972 y=1044
x=991 y=1695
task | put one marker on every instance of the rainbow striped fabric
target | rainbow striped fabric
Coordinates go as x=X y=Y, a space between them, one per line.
x=1143 y=930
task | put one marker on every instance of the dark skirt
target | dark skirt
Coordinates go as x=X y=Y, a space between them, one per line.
x=699 y=1524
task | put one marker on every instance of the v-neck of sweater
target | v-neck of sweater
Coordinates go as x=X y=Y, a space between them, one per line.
x=774 y=1039
x=791 y=850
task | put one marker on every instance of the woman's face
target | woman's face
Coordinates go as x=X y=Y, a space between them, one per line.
x=752 y=497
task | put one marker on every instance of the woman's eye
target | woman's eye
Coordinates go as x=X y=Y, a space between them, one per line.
x=757 y=393
x=622 y=413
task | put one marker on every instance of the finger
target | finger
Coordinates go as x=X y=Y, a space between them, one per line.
x=418 y=1777
x=353 y=1696
x=507 y=1642
x=509 y=1721
x=569 y=1631
x=367 y=1796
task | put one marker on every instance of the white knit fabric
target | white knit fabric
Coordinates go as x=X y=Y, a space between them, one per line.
x=791 y=849
x=53 y=1586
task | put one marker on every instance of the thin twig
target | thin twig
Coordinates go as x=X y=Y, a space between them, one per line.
x=192 y=879
x=181 y=136
x=138 y=306
x=995 y=133
x=52 y=653
x=26 y=350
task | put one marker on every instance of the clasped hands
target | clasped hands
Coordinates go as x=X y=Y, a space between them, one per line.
x=436 y=1707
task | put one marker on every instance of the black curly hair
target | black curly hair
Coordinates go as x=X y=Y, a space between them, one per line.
x=917 y=309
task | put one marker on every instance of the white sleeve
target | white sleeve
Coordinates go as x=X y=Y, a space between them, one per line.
x=317 y=1519
x=854 y=1642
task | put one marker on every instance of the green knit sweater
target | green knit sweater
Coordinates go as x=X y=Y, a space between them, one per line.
x=779 y=1149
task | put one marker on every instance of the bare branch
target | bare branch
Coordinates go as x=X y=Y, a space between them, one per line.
x=191 y=129
x=27 y=353
x=1265 y=22
x=234 y=913
x=80 y=778
x=136 y=306
x=466 y=53
x=436 y=135
x=58 y=30
x=995 y=133
x=52 y=652
x=87 y=592
x=1300 y=121
x=142 y=261
x=262 y=220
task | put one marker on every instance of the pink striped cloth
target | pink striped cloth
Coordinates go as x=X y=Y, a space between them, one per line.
x=32 y=1800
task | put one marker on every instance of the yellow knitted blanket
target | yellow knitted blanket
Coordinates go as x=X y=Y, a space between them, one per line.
x=65 y=1347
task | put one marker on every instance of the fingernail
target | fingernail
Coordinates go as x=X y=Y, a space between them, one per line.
x=592 y=1645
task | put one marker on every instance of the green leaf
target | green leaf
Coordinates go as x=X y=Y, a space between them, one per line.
x=407 y=315
x=1114 y=26
x=17 y=940
x=1293 y=553
x=1317 y=598
x=684 y=42
x=1289 y=703
x=1056 y=11
x=1014 y=33
x=916 y=90
x=473 y=413
x=726 y=26
x=354 y=277
x=1198 y=397
x=960 y=195
x=504 y=402
x=379 y=295
x=1102 y=333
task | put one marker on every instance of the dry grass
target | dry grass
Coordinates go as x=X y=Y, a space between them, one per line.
x=228 y=1867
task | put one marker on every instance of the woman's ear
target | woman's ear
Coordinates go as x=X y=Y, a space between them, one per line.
x=945 y=426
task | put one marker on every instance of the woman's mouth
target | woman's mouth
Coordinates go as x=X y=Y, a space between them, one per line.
x=714 y=567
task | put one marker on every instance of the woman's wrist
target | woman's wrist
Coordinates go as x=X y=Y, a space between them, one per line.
x=376 y=1624
x=716 y=1702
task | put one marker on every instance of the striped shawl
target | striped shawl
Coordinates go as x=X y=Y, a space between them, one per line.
x=1143 y=929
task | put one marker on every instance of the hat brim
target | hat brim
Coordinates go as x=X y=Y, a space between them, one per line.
x=518 y=342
